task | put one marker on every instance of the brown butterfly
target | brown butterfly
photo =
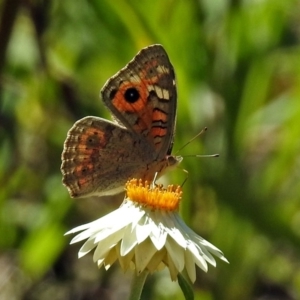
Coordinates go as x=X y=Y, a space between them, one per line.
x=99 y=156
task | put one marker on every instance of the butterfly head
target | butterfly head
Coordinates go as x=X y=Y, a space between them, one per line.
x=171 y=163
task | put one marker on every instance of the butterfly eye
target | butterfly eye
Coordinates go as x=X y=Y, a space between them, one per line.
x=131 y=95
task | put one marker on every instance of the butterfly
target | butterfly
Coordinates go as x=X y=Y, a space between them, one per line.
x=99 y=155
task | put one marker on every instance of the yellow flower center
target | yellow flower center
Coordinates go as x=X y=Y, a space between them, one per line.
x=155 y=197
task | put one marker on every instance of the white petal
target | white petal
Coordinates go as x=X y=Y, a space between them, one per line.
x=100 y=262
x=129 y=240
x=224 y=258
x=159 y=240
x=103 y=222
x=85 y=226
x=118 y=218
x=172 y=269
x=143 y=254
x=87 y=247
x=190 y=266
x=158 y=231
x=125 y=261
x=176 y=253
x=106 y=233
x=156 y=262
x=107 y=244
x=174 y=230
x=214 y=250
x=110 y=258
x=207 y=256
x=156 y=222
x=190 y=234
x=198 y=259
x=143 y=229
x=100 y=253
x=83 y=236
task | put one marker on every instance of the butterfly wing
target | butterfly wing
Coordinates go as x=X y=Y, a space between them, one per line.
x=88 y=159
x=142 y=97
x=100 y=156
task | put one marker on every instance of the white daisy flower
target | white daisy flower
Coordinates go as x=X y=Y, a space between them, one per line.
x=147 y=234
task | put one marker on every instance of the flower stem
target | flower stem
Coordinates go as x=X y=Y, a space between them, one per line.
x=137 y=285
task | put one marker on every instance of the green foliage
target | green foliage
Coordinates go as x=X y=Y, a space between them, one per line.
x=237 y=65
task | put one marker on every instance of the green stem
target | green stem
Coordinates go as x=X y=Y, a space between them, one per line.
x=137 y=285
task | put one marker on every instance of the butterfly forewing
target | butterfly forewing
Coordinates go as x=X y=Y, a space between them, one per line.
x=145 y=90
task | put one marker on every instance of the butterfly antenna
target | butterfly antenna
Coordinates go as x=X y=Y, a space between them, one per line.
x=186 y=177
x=198 y=134
x=199 y=155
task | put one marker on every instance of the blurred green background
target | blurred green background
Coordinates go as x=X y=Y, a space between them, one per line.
x=238 y=73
